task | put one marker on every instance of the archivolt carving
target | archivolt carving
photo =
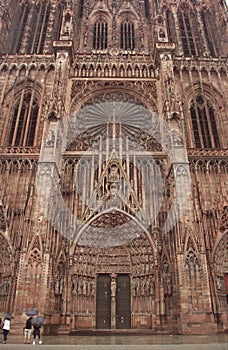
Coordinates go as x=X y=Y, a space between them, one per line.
x=221 y=267
x=224 y=219
x=221 y=256
x=110 y=220
x=147 y=90
x=26 y=85
x=139 y=138
x=115 y=260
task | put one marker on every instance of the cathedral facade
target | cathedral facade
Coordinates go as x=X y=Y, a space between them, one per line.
x=113 y=164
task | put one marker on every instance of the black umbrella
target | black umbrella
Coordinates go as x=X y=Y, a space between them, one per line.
x=31 y=312
x=5 y=315
x=37 y=321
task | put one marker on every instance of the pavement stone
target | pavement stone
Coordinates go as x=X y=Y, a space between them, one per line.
x=156 y=342
x=118 y=347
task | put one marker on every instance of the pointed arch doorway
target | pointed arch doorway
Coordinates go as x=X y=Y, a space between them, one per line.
x=114 y=288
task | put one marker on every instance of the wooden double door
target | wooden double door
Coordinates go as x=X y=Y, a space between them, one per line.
x=113 y=302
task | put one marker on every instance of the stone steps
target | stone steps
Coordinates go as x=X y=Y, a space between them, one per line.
x=95 y=332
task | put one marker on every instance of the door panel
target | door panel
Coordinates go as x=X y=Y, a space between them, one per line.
x=123 y=302
x=103 y=302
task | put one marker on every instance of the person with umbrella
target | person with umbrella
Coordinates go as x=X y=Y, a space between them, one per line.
x=6 y=327
x=28 y=330
x=37 y=322
x=28 y=325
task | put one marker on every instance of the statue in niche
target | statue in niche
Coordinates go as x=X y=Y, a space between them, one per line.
x=86 y=35
x=4 y=288
x=66 y=31
x=170 y=87
x=59 y=285
x=152 y=287
x=50 y=140
x=147 y=287
x=218 y=282
x=66 y=27
x=113 y=191
x=142 y=286
x=161 y=34
x=114 y=175
x=80 y=287
x=113 y=288
x=195 y=300
x=138 y=289
x=134 y=289
x=92 y=288
x=177 y=140
x=84 y=286
x=74 y=285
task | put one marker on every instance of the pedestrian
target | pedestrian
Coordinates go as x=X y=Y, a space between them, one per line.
x=36 y=332
x=6 y=329
x=28 y=330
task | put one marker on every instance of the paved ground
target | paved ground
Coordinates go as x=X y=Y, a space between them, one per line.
x=147 y=342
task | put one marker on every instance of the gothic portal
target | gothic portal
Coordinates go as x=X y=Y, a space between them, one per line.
x=113 y=164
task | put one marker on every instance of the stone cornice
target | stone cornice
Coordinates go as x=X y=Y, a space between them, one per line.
x=200 y=62
x=207 y=153
x=27 y=59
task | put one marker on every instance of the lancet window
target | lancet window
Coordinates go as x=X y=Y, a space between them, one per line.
x=209 y=32
x=30 y=33
x=127 y=35
x=19 y=32
x=170 y=25
x=100 y=35
x=189 y=33
x=41 y=29
x=24 y=121
x=204 y=124
x=80 y=11
x=147 y=8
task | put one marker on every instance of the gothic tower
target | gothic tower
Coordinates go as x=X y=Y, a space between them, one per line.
x=113 y=164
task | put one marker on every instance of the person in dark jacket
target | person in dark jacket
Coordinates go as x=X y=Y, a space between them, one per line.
x=36 y=332
x=28 y=330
